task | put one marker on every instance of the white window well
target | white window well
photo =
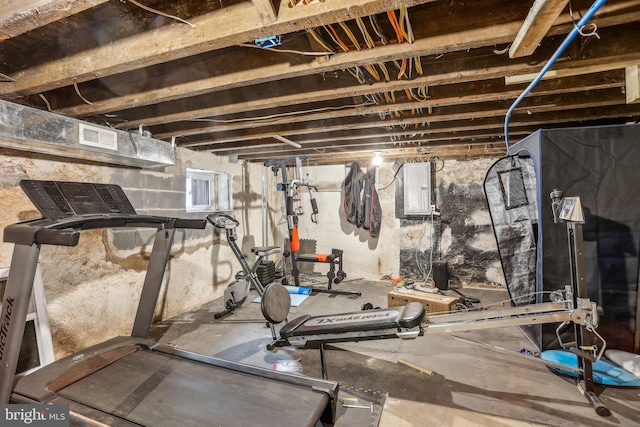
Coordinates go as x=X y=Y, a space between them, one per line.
x=209 y=191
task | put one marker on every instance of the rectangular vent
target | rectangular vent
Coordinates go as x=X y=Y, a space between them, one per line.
x=98 y=137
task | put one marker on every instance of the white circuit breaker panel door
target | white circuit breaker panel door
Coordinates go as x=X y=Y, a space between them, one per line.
x=417 y=188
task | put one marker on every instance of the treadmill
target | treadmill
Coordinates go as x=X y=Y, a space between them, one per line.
x=131 y=380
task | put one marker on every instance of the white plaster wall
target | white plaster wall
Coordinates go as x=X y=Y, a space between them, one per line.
x=364 y=257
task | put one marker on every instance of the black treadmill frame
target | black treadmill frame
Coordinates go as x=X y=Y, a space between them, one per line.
x=29 y=236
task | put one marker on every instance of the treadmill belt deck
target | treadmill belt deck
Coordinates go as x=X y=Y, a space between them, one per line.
x=158 y=389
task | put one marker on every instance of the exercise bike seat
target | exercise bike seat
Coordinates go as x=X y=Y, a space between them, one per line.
x=394 y=322
x=265 y=250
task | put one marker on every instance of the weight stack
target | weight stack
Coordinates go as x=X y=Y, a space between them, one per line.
x=266 y=272
x=441 y=274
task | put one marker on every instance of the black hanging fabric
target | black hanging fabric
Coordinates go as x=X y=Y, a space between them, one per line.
x=372 y=211
x=361 y=202
x=351 y=189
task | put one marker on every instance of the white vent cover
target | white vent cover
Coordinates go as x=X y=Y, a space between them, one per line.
x=417 y=188
x=95 y=136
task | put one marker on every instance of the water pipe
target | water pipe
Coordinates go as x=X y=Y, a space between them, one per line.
x=576 y=29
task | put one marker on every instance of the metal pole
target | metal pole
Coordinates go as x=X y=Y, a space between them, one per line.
x=153 y=282
x=583 y=336
x=265 y=206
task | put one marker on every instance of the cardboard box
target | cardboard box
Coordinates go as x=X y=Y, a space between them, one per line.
x=433 y=303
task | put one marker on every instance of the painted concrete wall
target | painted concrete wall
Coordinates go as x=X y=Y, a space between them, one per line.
x=92 y=290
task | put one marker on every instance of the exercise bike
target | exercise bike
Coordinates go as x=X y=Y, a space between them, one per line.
x=275 y=300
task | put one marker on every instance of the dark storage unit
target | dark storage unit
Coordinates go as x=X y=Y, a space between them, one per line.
x=601 y=165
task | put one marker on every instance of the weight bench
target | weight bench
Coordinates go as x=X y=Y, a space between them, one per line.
x=383 y=323
x=333 y=259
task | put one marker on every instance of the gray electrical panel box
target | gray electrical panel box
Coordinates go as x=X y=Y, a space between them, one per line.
x=417 y=188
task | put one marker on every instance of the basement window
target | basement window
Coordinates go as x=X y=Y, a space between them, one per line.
x=208 y=191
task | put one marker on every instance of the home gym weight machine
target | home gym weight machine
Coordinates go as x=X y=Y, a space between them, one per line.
x=291 y=185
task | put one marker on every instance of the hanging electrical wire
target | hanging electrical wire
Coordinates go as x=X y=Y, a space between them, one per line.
x=336 y=38
x=355 y=71
x=593 y=32
x=391 y=14
x=149 y=9
x=365 y=34
x=370 y=69
x=350 y=35
x=405 y=24
x=45 y=101
x=323 y=44
x=385 y=71
x=394 y=177
x=276 y=116
x=378 y=30
x=75 y=86
x=421 y=93
x=418 y=62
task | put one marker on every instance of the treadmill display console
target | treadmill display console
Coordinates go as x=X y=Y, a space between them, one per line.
x=57 y=200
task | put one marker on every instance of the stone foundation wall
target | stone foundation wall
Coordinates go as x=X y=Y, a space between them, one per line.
x=461 y=234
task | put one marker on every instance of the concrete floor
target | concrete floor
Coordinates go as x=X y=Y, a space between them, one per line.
x=471 y=385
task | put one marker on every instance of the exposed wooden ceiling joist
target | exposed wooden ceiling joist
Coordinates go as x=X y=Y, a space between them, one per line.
x=237 y=76
x=438 y=96
x=539 y=21
x=238 y=23
x=266 y=10
x=212 y=89
x=21 y=16
x=632 y=86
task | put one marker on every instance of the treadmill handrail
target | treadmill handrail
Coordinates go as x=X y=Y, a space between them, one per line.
x=63 y=232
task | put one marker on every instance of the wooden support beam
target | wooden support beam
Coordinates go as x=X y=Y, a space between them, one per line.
x=238 y=76
x=21 y=16
x=266 y=10
x=621 y=63
x=442 y=95
x=371 y=144
x=632 y=82
x=534 y=104
x=492 y=125
x=322 y=95
x=541 y=17
x=459 y=150
x=235 y=24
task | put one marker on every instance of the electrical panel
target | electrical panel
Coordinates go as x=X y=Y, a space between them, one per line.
x=417 y=188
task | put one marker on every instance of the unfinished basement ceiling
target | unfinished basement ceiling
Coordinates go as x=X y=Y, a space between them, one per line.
x=408 y=78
